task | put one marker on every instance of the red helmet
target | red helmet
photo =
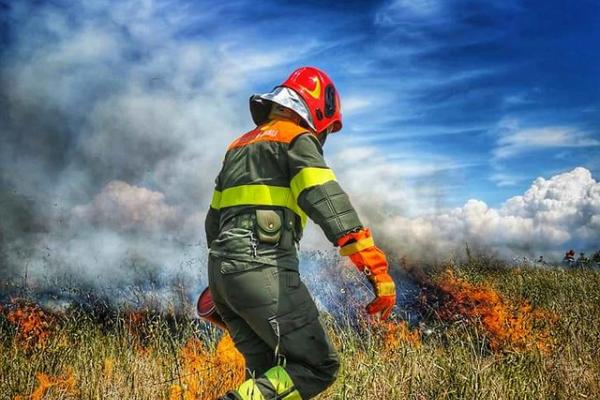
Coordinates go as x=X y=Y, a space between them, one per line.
x=319 y=94
x=310 y=93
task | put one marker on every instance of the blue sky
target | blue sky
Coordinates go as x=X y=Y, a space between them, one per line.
x=488 y=94
x=462 y=99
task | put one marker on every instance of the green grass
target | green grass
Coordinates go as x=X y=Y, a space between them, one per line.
x=114 y=359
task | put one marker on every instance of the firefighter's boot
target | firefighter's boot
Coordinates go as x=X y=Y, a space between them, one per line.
x=274 y=384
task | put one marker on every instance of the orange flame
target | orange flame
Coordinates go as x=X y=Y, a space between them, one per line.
x=508 y=325
x=32 y=324
x=137 y=324
x=64 y=383
x=207 y=375
x=396 y=333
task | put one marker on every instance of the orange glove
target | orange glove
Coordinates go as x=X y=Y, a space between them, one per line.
x=368 y=258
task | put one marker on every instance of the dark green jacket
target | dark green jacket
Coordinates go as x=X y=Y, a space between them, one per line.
x=278 y=166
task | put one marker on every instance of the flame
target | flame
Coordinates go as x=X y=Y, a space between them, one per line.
x=64 y=383
x=32 y=324
x=394 y=334
x=508 y=325
x=207 y=375
x=137 y=324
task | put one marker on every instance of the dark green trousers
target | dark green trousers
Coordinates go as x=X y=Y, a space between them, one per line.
x=269 y=311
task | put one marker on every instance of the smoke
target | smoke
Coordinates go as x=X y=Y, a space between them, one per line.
x=123 y=208
x=113 y=128
x=114 y=122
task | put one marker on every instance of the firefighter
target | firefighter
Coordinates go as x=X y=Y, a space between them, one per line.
x=273 y=179
x=570 y=255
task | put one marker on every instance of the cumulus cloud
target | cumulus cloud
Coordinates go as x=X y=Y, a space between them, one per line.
x=552 y=214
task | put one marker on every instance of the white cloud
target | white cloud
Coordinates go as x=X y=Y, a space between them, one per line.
x=552 y=214
x=517 y=141
x=503 y=179
x=355 y=105
x=398 y=11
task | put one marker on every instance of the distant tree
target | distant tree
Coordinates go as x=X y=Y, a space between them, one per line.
x=596 y=257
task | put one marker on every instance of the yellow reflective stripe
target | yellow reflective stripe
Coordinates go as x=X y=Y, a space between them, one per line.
x=385 y=289
x=257 y=195
x=309 y=177
x=282 y=383
x=250 y=391
x=216 y=200
x=355 y=247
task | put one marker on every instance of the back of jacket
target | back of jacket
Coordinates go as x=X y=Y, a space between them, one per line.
x=279 y=167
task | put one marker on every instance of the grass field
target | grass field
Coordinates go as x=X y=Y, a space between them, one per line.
x=487 y=332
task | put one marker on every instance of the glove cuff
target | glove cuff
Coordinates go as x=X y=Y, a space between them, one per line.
x=357 y=246
x=361 y=249
x=354 y=242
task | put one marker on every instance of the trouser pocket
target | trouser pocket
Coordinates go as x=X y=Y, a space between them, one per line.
x=294 y=320
x=248 y=285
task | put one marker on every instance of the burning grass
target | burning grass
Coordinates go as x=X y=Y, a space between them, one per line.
x=58 y=386
x=507 y=325
x=484 y=340
x=207 y=374
x=394 y=335
x=32 y=324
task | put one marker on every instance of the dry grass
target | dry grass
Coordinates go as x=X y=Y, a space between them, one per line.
x=474 y=344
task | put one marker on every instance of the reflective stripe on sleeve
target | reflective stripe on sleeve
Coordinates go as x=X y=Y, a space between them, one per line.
x=309 y=177
x=355 y=247
x=216 y=200
x=257 y=195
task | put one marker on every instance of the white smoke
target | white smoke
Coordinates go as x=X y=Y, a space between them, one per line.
x=123 y=207
x=115 y=119
x=114 y=124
